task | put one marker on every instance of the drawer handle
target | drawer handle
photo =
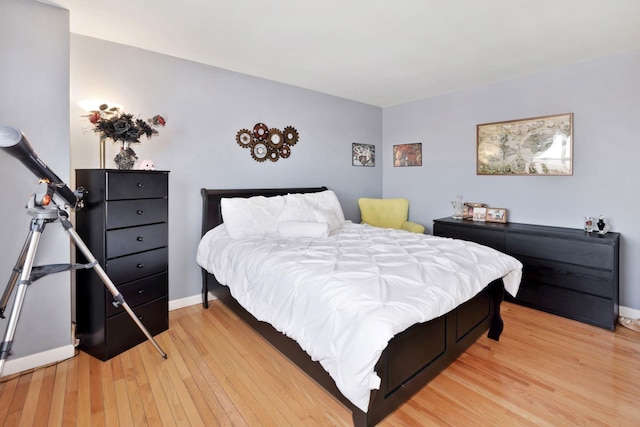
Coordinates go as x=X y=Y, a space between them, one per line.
x=140 y=238
x=141 y=265
x=140 y=185
x=140 y=317
x=141 y=291
x=139 y=211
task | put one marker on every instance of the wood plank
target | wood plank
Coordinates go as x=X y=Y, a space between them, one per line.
x=28 y=412
x=17 y=402
x=108 y=393
x=45 y=396
x=96 y=398
x=58 y=395
x=135 y=402
x=152 y=416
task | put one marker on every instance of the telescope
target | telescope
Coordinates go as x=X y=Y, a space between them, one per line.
x=13 y=141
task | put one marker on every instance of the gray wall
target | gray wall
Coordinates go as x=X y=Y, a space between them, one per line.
x=205 y=107
x=603 y=94
x=34 y=97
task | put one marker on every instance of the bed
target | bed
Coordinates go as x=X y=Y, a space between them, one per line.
x=411 y=357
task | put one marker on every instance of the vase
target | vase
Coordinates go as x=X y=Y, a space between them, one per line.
x=126 y=158
x=458 y=208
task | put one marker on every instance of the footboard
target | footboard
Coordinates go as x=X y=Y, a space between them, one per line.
x=417 y=355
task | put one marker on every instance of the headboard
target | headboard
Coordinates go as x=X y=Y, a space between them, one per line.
x=212 y=214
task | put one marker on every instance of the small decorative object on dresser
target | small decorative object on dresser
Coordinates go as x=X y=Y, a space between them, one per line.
x=602 y=225
x=588 y=224
x=146 y=165
x=458 y=207
x=480 y=214
x=125 y=224
x=496 y=215
x=469 y=208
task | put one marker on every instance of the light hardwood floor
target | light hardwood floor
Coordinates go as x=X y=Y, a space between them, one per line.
x=545 y=370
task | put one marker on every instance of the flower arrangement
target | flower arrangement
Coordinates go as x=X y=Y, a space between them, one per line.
x=112 y=123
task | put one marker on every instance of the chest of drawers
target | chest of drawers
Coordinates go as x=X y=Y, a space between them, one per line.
x=567 y=271
x=125 y=225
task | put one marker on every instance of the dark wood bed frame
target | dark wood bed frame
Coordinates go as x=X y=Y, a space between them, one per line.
x=411 y=359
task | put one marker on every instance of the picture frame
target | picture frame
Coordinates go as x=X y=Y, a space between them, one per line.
x=469 y=207
x=480 y=214
x=407 y=155
x=497 y=215
x=537 y=146
x=363 y=155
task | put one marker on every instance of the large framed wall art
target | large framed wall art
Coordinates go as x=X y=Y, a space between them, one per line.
x=534 y=146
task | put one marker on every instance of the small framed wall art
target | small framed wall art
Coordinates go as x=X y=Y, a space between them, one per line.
x=539 y=146
x=407 y=155
x=363 y=155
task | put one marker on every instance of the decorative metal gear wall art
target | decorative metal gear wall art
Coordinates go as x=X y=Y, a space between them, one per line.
x=265 y=143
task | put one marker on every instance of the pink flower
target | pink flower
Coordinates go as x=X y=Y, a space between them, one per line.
x=158 y=120
x=94 y=116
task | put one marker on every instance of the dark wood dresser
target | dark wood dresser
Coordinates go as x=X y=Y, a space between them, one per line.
x=125 y=225
x=567 y=272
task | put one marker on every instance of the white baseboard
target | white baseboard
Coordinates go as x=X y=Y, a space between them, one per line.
x=631 y=313
x=13 y=366
x=186 y=302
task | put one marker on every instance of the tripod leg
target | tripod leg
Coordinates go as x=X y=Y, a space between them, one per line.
x=27 y=257
x=107 y=281
x=14 y=275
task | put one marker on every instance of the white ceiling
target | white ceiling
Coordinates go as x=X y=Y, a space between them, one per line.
x=380 y=52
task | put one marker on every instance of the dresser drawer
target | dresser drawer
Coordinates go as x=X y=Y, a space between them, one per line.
x=128 y=213
x=126 y=241
x=137 y=266
x=587 y=253
x=139 y=292
x=493 y=238
x=564 y=302
x=123 y=333
x=136 y=185
x=574 y=277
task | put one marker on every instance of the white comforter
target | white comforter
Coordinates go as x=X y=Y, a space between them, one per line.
x=342 y=298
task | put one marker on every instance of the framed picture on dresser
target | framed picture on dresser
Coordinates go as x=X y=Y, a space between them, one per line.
x=496 y=215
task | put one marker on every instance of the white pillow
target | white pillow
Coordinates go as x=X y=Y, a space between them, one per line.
x=296 y=209
x=329 y=217
x=322 y=200
x=260 y=216
x=303 y=229
x=251 y=217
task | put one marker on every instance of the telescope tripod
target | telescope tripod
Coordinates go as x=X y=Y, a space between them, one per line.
x=27 y=273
